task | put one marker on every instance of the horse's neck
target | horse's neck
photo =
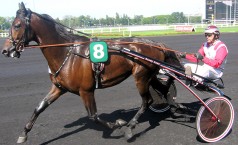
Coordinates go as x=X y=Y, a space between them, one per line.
x=47 y=35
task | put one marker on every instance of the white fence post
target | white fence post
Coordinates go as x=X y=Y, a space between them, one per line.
x=4 y=35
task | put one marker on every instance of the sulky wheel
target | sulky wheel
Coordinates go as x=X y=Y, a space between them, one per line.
x=211 y=129
x=160 y=103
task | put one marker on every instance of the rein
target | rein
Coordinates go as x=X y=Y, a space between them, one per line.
x=55 y=45
x=112 y=42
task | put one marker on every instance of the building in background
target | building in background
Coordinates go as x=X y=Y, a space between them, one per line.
x=221 y=10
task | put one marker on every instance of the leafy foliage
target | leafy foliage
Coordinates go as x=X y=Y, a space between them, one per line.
x=88 y=21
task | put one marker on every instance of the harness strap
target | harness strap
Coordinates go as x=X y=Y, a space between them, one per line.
x=57 y=84
x=67 y=57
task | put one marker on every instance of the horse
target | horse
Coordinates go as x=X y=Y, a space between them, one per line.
x=71 y=70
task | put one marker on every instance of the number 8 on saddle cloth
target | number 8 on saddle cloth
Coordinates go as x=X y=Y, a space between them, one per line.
x=98 y=51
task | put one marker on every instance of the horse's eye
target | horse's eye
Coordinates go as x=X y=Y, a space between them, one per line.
x=17 y=26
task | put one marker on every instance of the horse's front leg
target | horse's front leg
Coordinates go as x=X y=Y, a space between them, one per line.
x=53 y=95
x=90 y=105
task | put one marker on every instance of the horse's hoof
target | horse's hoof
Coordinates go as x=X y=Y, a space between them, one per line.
x=21 y=139
x=128 y=133
x=120 y=122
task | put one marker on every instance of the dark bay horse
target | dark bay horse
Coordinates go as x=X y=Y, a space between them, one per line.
x=73 y=73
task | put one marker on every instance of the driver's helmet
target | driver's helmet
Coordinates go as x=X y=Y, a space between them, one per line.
x=212 y=29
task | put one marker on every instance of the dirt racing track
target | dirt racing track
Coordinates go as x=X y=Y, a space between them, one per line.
x=24 y=82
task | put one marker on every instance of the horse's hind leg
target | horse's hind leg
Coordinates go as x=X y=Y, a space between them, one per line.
x=54 y=94
x=90 y=105
x=142 y=84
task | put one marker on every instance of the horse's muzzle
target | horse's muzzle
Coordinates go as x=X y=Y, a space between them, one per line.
x=12 y=53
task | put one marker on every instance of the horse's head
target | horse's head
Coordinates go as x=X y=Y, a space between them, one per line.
x=20 y=33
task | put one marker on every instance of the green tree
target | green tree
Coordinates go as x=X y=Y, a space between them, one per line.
x=138 y=19
x=5 y=23
x=178 y=17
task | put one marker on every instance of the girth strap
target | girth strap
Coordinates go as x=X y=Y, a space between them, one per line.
x=97 y=68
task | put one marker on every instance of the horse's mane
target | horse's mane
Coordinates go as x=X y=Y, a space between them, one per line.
x=60 y=28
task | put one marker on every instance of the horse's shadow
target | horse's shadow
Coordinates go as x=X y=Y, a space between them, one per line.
x=152 y=118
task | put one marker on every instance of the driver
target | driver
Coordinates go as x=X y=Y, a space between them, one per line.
x=213 y=53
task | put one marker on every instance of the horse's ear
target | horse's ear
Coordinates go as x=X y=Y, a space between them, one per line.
x=22 y=8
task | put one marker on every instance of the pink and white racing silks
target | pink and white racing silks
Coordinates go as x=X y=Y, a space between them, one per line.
x=214 y=55
x=214 y=58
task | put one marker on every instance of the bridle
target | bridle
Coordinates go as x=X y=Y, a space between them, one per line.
x=18 y=45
